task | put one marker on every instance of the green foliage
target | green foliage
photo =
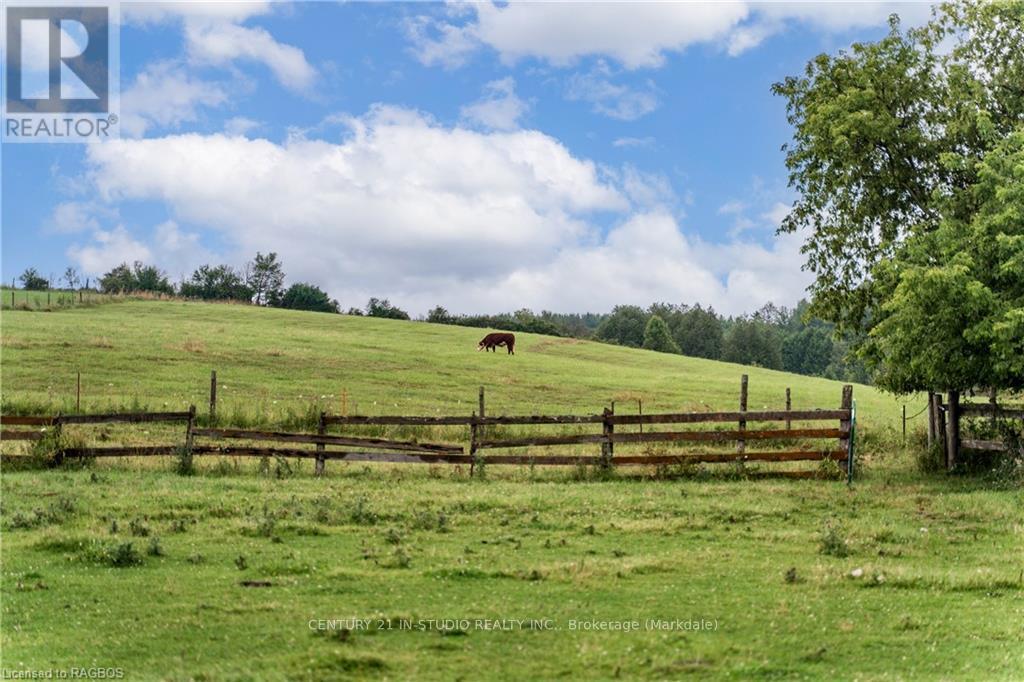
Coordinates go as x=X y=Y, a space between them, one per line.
x=832 y=542
x=184 y=464
x=383 y=308
x=954 y=313
x=906 y=156
x=657 y=336
x=440 y=315
x=523 y=320
x=113 y=554
x=624 y=326
x=71 y=278
x=303 y=296
x=808 y=351
x=216 y=283
x=265 y=279
x=752 y=341
x=31 y=280
x=138 y=277
x=698 y=333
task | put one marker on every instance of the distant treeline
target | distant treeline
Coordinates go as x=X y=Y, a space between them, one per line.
x=772 y=337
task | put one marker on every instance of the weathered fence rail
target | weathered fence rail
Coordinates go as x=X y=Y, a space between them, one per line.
x=949 y=419
x=835 y=442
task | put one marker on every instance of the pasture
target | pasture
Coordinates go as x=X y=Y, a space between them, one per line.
x=272 y=364
x=245 y=571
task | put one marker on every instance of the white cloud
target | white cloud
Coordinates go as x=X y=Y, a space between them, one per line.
x=220 y=43
x=241 y=126
x=646 y=189
x=633 y=34
x=160 y=12
x=633 y=142
x=69 y=217
x=499 y=109
x=171 y=249
x=616 y=101
x=646 y=259
x=214 y=35
x=776 y=214
x=450 y=47
x=179 y=252
x=732 y=207
x=164 y=94
x=110 y=248
x=424 y=214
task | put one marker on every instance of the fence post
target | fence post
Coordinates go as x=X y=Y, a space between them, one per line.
x=58 y=427
x=321 y=429
x=933 y=419
x=994 y=403
x=953 y=430
x=608 y=431
x=940 y=423
x=741 y=443
x=904 y=425
x=481 y=412
x=844 y=424
x=213 y=397
x=189 y=437
x=472 y=443
x=789 y=405
x=640 y=411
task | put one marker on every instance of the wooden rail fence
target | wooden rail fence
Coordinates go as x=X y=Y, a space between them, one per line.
x=836 y=441
x=948 y=420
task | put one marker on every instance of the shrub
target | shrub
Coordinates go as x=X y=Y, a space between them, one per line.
x=138 y=528
x=303 y=296
x=154 y=548
x=183 y=462
x=658 y=337
x=833 y=543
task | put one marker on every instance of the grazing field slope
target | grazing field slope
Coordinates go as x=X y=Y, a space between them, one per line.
x=259 y=571
x=271 y=361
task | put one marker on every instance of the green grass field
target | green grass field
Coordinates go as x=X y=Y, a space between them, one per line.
x=159 y=354
x=239 y=573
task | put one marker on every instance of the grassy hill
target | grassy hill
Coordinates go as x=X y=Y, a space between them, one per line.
x=270 y=362
x=422 y=572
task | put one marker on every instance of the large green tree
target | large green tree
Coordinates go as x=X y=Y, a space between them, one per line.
x=699 y=333
x=907 y=172
x=265 y=277
x=216 y=283
x=658 y=337
x=624 y=326
x=303 y=296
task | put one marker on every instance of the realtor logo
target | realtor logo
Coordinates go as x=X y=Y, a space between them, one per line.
x=60 y=73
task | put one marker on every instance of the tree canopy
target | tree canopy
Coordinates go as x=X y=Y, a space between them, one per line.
x=265 y=277
x=304 y=296
x=137 y=277
x=33 y=281
x=906 y=159
x=216 y=283
x=657 y=336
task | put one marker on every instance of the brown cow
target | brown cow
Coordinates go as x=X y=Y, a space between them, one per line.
x=491 y=341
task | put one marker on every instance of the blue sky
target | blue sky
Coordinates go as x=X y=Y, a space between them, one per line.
x=486 y=158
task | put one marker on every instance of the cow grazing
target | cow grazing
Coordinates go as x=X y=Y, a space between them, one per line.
x=492 y=341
